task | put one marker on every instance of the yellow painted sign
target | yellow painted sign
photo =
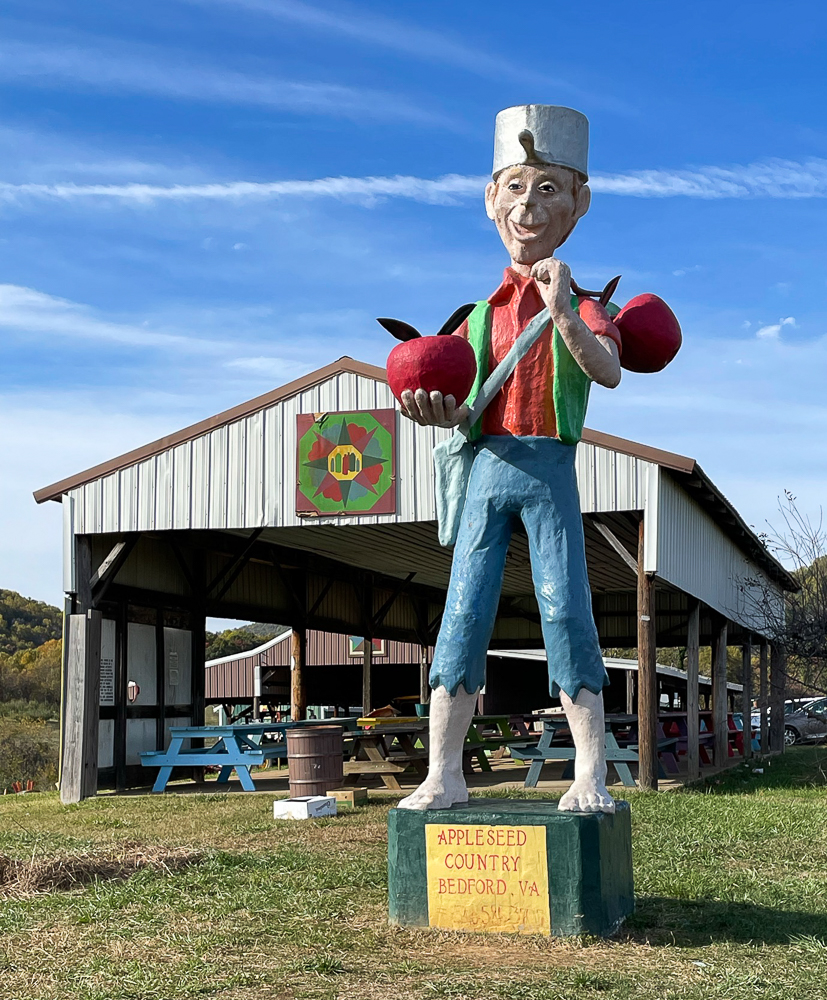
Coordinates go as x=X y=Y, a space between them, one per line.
x=488 y=878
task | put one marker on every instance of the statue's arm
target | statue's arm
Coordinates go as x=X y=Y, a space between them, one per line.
x=598 y=356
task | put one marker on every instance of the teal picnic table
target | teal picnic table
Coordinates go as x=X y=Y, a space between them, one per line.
x=238 y=747
x=617 y=756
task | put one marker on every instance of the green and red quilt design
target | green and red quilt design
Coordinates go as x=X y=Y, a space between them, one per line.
x=346 y=463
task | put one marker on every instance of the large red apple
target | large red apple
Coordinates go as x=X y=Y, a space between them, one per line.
x=442 y=363
x=650 y=333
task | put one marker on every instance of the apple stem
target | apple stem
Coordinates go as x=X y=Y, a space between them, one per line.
x=604 y=296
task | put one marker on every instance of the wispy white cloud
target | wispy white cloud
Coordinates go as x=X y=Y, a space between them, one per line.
x=367 y=190
x=773 y=179
x=773 y=332
x=768 y=179
x=374 y=30
x=28 y=311
x=158 y=73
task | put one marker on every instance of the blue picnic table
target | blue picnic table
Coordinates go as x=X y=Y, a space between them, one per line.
x=238 y=747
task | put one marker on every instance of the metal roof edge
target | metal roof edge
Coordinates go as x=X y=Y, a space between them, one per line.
x=343 y=365
x=234 y=657
x=657 y=456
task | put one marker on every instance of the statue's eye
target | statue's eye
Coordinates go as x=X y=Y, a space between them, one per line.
x=514 y=186
x=547 y=188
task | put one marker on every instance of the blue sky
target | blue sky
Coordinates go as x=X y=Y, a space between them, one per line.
x=202 y=199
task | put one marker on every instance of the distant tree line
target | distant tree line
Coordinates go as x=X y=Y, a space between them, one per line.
x=26 y=624
x=240 y=640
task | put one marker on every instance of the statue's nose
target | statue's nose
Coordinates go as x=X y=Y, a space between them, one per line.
x=528 y=199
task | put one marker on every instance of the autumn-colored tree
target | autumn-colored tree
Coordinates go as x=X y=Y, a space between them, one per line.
x=32 y=674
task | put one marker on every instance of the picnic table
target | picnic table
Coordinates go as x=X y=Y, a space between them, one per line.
x=619 y=754
x=674 y=724
x=491 y=734
x=238 y=747
x=386 y=750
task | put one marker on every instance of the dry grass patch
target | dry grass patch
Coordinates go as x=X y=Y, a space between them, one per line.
x=20 y=879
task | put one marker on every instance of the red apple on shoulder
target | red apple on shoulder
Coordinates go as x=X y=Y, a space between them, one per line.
x=650 y=333
x=441 y=363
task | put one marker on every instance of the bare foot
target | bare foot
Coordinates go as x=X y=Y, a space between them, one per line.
x=437 y=793
x=587 y=795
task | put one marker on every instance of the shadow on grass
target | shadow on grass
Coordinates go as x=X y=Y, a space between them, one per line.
x=695 y=922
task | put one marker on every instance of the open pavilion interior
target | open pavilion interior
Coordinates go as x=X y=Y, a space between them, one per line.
x=212 y=521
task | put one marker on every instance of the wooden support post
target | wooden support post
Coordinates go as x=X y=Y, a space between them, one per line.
x=746 y=696
x=298 y=692
x=647 y=683
x=719 y=691
x=83 y=574
x=693 y=719
x=778 y=665
x=79 y=770
x=367 y=677
x=424 y=671
x=763 y=695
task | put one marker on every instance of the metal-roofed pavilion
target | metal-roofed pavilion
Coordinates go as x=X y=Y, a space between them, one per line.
x=204 y=522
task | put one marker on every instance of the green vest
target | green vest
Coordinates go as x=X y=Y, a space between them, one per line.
x=570 y=385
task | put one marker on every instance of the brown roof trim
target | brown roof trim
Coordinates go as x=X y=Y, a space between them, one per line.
x=344 y=365
x=668 y=459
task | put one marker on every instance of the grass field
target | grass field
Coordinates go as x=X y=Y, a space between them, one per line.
x=731 y=882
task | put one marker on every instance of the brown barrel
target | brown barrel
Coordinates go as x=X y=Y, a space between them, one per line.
x=314 y=756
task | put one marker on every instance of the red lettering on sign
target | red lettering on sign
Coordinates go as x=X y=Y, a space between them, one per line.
x=441 y=839
x=441 y=887
x=521 y=838
x=501 y=886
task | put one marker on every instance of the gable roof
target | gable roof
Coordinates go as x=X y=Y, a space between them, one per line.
x=344 y=365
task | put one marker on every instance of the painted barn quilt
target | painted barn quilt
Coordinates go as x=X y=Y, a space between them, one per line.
x=346 y=463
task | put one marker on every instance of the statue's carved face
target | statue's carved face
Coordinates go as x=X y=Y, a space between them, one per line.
x=535 y=209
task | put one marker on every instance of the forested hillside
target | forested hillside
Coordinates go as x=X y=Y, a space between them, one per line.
x=26 y=624
x=239 y=640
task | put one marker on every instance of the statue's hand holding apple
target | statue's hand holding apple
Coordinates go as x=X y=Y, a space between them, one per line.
x=432 y=409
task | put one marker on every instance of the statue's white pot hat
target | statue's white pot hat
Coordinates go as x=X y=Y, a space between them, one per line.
x=541 y=133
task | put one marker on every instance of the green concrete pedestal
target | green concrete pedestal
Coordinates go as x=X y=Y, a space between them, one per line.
x=502 y=865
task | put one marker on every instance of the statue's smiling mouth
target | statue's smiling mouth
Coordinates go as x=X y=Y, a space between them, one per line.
x=526 y=233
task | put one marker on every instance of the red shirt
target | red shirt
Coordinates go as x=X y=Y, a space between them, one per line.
x=524 y=405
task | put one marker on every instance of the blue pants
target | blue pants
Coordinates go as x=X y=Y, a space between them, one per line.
x=533 y=479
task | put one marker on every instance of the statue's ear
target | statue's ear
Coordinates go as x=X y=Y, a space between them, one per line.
x=490 y=191
x=584 y=199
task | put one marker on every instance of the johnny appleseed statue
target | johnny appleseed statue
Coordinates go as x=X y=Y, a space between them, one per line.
x=523 y=449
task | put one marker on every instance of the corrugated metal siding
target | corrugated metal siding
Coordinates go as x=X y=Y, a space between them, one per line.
x=609 y=481
x=235 y=677
x=696 y=556
x=243 y=475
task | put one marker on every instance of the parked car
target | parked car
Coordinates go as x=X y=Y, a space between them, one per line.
x=805 y=721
